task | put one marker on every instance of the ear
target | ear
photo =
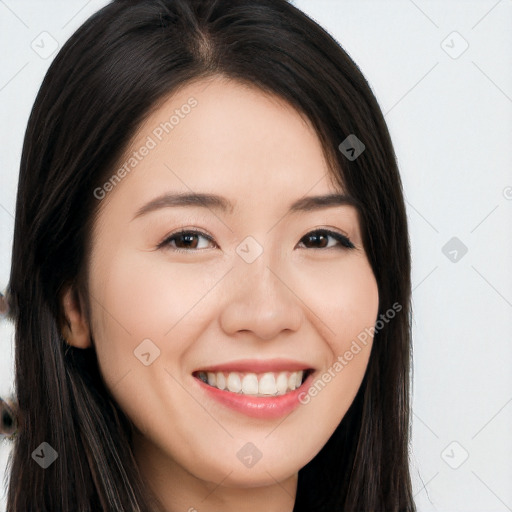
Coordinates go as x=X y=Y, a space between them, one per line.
x=75 y=330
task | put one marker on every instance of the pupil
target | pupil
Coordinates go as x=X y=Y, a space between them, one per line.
x=312 y=237
x=188 y=239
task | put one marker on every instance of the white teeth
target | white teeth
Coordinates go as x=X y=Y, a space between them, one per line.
x=212 y=379
x=282 y=383
x=266 y=384
x=221 y=381
x=234 y=383
x=250 y=384
x=292 y=379
x=298 y=379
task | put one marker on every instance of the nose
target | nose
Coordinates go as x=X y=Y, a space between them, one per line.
x=260 y=299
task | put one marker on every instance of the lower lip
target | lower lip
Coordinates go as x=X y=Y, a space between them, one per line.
x=258 y=407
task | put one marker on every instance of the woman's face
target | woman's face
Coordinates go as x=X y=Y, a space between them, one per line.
x=254 y=294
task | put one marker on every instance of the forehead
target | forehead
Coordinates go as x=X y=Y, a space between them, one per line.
x=217 y=135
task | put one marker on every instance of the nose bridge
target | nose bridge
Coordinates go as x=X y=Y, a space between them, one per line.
x=260 y=299
x=256 y=268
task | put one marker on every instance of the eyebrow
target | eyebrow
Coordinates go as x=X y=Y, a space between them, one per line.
x=219 y=203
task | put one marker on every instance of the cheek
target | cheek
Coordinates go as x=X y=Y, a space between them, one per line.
x=344 y=296
x=345 y=300
x=141 y=296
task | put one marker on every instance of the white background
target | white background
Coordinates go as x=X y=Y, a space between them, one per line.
x=450 y=117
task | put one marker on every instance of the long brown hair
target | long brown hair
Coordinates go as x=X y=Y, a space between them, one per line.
x=103 y=83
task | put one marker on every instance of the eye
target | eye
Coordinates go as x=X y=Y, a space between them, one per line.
x=321 y=236
x=185 y=239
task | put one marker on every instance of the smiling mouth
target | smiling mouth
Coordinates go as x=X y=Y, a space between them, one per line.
x=265 y=384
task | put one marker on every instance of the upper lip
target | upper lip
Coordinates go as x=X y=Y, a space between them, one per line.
x=256 y=366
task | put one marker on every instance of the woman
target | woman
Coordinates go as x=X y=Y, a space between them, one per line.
x=265 y=367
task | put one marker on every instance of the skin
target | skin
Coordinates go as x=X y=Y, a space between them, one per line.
x=210 y=306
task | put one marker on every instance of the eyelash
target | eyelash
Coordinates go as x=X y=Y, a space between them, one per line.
x=345 y=242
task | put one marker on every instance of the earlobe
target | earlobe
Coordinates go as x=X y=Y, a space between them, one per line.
x=76 y=329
